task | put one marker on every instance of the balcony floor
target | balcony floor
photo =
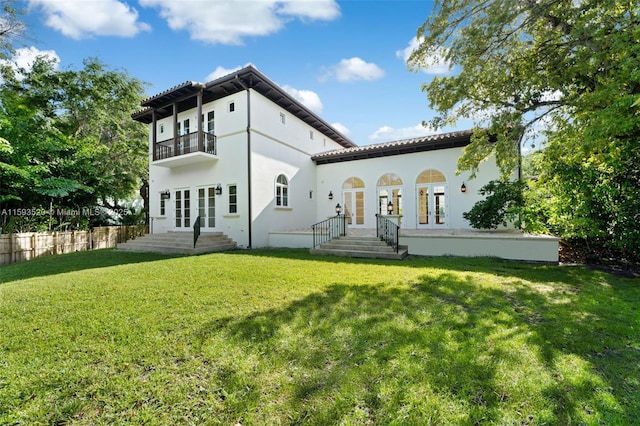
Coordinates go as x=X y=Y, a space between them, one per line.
x=186 y=159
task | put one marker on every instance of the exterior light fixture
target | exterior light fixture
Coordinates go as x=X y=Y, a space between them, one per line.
x=338 y=209
x=165 y=195
x=463 y=187
x=330 y=195
x=390 y=208
x=218 y=189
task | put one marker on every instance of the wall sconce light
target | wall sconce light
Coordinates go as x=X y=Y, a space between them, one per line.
x=218 y=189
x=338 y=209
x=164 y=195
x=330 y=195
x=463 y=187
x=390 y=208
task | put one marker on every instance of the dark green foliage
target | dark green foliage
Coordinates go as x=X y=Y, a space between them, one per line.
x=67 y=142
x=593 y=197
x=502 y=205
x=563 y=75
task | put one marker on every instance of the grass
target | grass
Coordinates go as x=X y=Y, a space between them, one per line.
x=283 y=337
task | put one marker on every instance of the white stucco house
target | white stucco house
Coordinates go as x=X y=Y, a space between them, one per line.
x=252 y=162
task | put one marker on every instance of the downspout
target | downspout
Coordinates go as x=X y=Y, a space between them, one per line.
x=250 y=221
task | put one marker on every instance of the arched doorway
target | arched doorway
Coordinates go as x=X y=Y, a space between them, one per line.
x=353 y=201
x=432 y=200
x=390 y=190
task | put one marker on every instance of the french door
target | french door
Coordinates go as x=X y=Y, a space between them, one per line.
x=207 y=207
x=353 y=201
x=432 y=206
x=182 y=209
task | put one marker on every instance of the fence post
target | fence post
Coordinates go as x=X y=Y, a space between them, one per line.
x=12 y=255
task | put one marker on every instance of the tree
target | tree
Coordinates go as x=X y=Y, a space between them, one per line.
x=528 y=63
x=69 y=141
x=503 y=203
x=559 y=73
x=11 y=28
x=97 y=105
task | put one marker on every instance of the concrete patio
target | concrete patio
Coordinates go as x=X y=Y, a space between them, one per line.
x=505 y=244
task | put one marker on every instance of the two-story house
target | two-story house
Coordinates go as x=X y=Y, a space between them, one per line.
x=249 y=160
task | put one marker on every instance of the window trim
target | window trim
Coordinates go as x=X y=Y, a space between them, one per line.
x=163 y=206
x=282 y=192
x=233 y=204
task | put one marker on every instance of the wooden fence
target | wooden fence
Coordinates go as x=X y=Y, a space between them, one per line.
x=29 y=245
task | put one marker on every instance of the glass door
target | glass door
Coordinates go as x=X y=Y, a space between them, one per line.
x=207 y=207
x=432 y=206
x=354 y=207
x=182 y=211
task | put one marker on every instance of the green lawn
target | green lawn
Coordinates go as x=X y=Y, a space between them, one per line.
x=282 y=337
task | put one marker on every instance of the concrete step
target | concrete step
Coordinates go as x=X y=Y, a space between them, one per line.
x=367 y=247
x=357 y=247
x=180 y=243
x=402 y=253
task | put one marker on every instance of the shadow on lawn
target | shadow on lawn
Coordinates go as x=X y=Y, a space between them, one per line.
x=443 y=349
x=70 y=262
x=535 y=272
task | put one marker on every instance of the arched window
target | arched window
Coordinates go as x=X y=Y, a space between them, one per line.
x=390 y=179
x=390 y=194
x=431 y=176
x=353 y=183
x=282 y=191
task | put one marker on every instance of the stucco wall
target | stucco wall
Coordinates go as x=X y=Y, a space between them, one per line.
x=282 y=148
x=230 y=168
x=276 y=148
x=330 y=177
x=532 y=248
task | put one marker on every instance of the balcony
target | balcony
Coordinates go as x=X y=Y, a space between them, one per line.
x=185 y=150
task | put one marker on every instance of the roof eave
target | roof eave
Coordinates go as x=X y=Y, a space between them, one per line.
x=245 y=78
x=433 y=143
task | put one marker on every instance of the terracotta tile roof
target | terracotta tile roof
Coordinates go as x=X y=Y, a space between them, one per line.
x=405 y=146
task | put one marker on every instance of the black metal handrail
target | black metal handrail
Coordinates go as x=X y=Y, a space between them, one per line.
x=388 y=231
x=196 y=231
x=329 y=229
x=186 y=144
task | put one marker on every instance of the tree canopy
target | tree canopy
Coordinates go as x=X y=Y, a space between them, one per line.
x=525 y=67
x=563 y=74
x=68 y=140
x=11 y=28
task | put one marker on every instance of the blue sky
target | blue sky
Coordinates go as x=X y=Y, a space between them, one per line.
x=343 y=59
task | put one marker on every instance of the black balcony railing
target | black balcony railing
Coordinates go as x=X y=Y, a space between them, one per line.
x=185 y=144
x=328 y=229
x=388 y=231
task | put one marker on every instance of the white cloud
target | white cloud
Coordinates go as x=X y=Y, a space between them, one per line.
x=354 y=69
x=221 y=72
x=79 y=19
x=386 y=133
x=341 y=128
x=24 y=58
x=435 y=64
x=308 y=98
x=325 y=10
x=230 y=21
